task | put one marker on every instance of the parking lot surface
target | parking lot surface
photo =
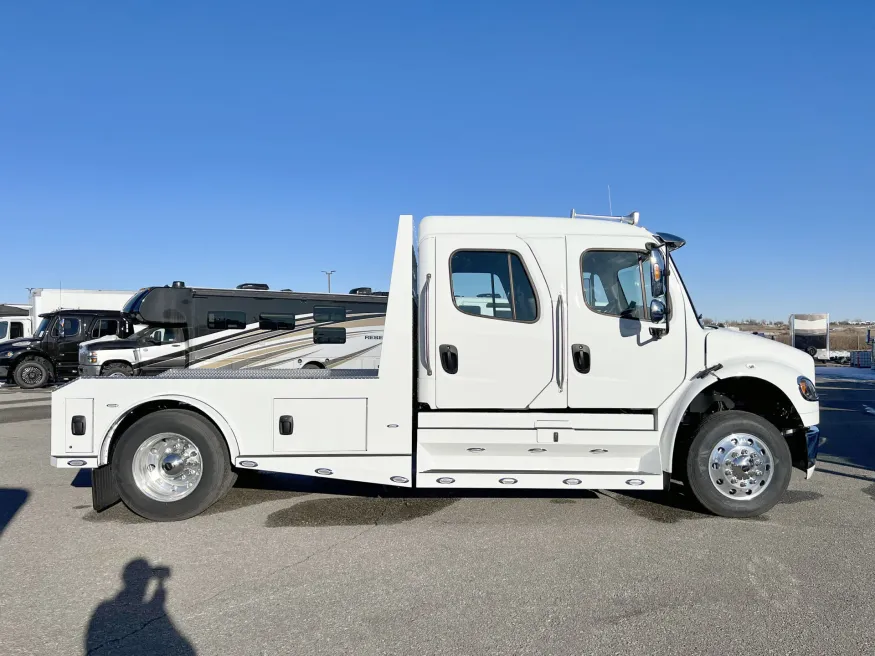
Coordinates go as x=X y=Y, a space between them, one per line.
x=283 y=567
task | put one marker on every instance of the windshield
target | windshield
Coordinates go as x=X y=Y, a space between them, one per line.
x=686 y=291
x=40 y=332
x=133 y=304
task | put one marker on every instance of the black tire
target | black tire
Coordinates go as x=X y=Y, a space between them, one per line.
x=116 y=369
x=312 y=365
x=811 y=351
x=709 y=435
x=32 y=372
x=216 y=479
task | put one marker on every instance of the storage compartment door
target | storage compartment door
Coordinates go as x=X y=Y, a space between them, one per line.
x=319 y=425
x=79 y=426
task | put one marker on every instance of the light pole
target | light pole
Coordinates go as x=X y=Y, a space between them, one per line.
x=328 y=273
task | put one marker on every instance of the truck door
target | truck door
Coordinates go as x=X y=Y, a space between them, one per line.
x=494 y=330
x=64 y=340
x=163 y=349
x=613 y=360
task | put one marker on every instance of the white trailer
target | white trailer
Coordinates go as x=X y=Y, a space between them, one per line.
x=48 y=300
x=810 y=333
x=594 y=377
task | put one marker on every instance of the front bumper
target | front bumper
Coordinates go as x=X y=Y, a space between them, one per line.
x=92 y=370
x=812 y=441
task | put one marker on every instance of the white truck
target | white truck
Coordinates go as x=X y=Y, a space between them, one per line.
x=14 y=322
x=598 y=375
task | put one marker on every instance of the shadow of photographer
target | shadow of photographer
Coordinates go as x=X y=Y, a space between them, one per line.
x=135 y=620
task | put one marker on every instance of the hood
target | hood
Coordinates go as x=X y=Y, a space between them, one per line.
x=19 y=344
x=722 y=345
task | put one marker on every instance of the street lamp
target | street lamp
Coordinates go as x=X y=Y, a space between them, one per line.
x=328 y=273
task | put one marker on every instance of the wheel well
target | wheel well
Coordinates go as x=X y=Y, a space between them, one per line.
x=124 y=362
x=754 y=395
x=148 y=408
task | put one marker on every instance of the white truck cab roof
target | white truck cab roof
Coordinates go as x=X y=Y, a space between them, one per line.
x=527 y=225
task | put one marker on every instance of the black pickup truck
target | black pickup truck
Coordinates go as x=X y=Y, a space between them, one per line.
x=52 y=354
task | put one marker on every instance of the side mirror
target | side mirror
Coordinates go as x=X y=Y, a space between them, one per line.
x=657 y=311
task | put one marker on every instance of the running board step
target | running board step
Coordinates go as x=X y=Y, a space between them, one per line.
x=543 y=480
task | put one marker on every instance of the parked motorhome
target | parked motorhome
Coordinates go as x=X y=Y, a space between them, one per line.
x=565 y=389
x=250 y=327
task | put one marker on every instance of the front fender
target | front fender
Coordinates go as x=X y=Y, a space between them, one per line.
x=781 y=376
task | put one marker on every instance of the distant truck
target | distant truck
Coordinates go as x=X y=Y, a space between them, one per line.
x=14 y=322
x=52 y=352
x=810 y=333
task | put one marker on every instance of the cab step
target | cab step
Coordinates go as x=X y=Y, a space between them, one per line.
x=539 y=480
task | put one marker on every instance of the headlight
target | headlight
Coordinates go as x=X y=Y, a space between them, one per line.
x=807 y=389
x=8 y=354
x=92 y=357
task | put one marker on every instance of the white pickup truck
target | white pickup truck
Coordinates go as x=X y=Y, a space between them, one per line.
x=518 y=352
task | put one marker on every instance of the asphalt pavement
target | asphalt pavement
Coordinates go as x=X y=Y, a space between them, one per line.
x=287 y=566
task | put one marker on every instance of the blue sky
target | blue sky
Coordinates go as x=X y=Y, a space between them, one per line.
x=228 y=142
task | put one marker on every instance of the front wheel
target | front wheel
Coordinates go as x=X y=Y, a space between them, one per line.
x=117 y=370
x=171 y=465
x=738 y=465
x=32 y=373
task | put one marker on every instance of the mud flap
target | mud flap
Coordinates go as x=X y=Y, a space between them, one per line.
x=812 y=443
x=103 y=491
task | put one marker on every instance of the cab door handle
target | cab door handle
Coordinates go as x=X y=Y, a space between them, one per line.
x=449 y=358
x=287 y=425
x=581 y=357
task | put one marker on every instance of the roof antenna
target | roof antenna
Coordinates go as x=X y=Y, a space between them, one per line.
x=610 y=206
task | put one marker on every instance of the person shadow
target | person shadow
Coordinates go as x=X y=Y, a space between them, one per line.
x=135 y=621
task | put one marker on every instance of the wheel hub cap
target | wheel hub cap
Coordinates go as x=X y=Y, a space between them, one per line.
x=167 y=467
x=741 y=466
x=31 y=375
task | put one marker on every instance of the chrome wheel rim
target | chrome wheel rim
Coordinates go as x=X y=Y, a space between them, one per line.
x=31 y=374
x=167 y=467
x=741 y=466
x=117 y=375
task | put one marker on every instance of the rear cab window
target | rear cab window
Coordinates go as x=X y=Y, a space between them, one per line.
x=492 y=284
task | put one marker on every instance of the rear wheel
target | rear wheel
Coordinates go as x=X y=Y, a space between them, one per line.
x=117 y=370
x=32 y=372
x=171 y=465
x=738 y=465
